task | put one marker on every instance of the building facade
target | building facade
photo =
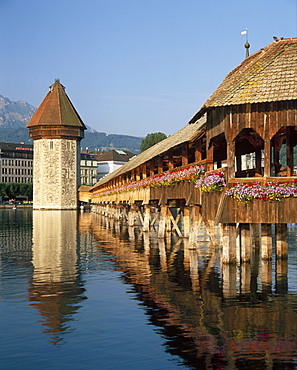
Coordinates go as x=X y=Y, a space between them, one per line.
x=16 y=163
x=88 y=169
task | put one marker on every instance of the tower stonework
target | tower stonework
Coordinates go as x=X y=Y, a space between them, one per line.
x=57 y=130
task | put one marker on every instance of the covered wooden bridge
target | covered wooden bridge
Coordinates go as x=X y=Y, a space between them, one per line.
x=232 y=165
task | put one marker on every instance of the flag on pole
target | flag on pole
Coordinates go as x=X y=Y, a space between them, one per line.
x=243 y=32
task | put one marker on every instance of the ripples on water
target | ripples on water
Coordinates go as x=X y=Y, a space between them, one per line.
x=81 y=292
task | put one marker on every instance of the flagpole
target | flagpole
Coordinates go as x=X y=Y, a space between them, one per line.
x=246 y=45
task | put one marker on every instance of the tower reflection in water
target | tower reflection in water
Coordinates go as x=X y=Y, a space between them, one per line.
x=56 y=287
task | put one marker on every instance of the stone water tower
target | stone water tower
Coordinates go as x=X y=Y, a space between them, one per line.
x=57 y=130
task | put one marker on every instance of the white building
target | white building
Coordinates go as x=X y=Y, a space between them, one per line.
x=111 y=160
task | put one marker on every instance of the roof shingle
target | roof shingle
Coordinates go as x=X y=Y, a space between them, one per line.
x=184 y=135
x=268 y=75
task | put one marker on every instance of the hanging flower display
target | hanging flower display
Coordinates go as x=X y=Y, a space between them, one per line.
x=214 y=181
x=276 y=191
x=191 y=173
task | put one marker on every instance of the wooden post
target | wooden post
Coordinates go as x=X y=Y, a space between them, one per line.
x=151 y=166
x=170 y=160
x=258 y=161
x=255 y=236
x=255 y=264
x=168 y=221
x=281 y=276
x=186 y=221
x=194 y=264
x=160 y=165
x=229 y=243
x=163 y=221
x=143 y=171
x=245 y=278
x=229 y=280
x=185 y=159
x=266 y=275
x=289 y=152
x=266 y=241
x=132 y=215
x=210 y=227
x=162 y=254
x=238 y=165
x=281 y=237
x=267 y=158
x=245 y=242
x=198 y=153
x=131 y=232
x=209 y=156
x=147 y=218
x=231 y=159
x=195 y=220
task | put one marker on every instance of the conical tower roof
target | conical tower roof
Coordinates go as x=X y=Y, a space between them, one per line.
x=56 y=109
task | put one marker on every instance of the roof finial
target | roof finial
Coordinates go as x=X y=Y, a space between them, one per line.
x=246 y=45
x=57 y=81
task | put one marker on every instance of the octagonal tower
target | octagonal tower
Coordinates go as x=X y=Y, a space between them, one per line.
x=56 y=129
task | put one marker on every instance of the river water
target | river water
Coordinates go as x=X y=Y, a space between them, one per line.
x=81 y=292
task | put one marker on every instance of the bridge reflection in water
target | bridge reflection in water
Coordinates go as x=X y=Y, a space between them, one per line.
x=210 y=314
x=213 y=315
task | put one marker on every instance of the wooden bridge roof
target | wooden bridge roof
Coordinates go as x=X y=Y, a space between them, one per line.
x=56 y=109
x=186 y=134
x=269 y=75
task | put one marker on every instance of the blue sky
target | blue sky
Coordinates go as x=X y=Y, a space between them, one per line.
x=132 y=66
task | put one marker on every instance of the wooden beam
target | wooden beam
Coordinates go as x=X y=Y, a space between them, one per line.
x=195 y=221
x=160 y=165
x=229 y=280
x=266 y=241
x=267 y=158
x=152 y=166
x=143 y=171
x=258 y=161
x=170 y=160
x=289 y=152
x=231 y=159
x=245 y=242
x=163 y=221
x=229 y=243
x=185 y=150
x=209 y=156
x=186 y=221
x=255 y=236
x=198 y=153
x=281 y=237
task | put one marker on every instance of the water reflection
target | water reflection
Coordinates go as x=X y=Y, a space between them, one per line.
x=210 y=314
x=56 y=289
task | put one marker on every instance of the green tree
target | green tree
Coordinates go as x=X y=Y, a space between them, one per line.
x=151 y=139
x=12 y=190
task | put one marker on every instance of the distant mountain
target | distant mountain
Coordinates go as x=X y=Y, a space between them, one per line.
x=14 y=117
x=14 y=114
